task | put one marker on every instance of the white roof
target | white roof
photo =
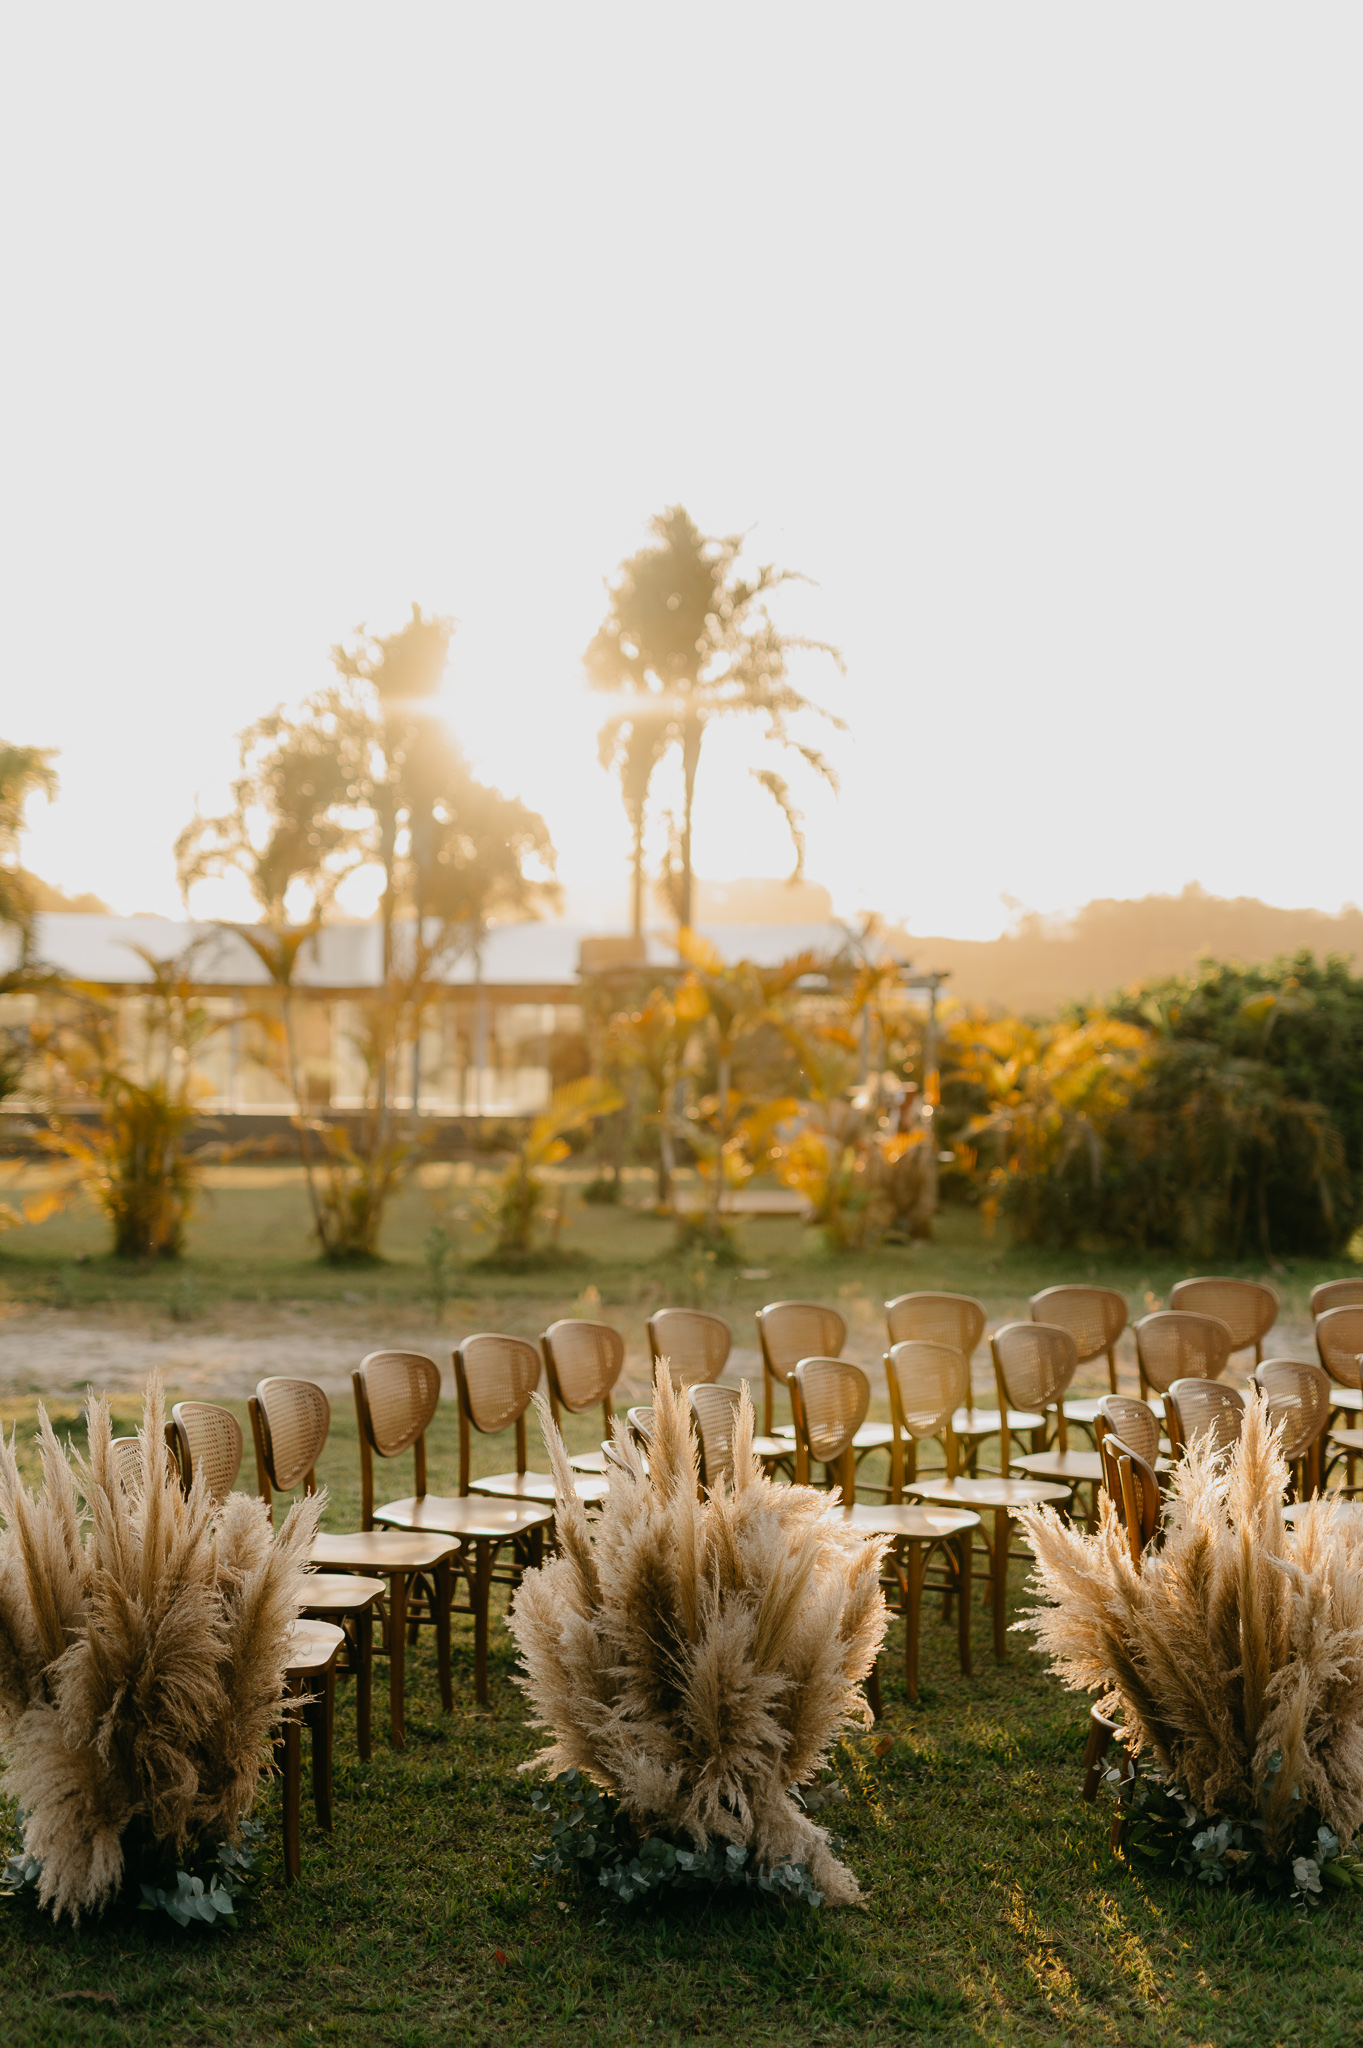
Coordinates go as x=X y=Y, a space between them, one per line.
x=90 y=947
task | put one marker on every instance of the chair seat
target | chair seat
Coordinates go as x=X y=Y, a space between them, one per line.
x=872 y=1436
x=1347 y=1397
x=1345 y=1439
x=537 y=1486
x=1084 y=1411
x=981 y=1422
x=471 y=1516
x=983 y=1495
x=773 y=1447
x=379 y=1550
x=588 y=1461
x=312 y=1648
x=931 y=1524
x=340 y=1593
x=1076 y=1467
x=1296 y=1508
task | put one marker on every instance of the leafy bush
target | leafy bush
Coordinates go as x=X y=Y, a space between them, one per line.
x=1165 y=1830
x=593 y=1841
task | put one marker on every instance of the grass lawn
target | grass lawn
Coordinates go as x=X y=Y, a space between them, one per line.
x=994 y=1913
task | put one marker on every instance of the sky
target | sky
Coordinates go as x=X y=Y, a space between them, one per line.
x=1032 y=335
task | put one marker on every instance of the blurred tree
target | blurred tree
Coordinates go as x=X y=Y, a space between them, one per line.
x=24 y=772
x=365 y=775
x=692 y=637
x=633 y=743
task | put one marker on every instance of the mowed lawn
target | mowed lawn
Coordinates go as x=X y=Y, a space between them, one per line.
x=993 y=1914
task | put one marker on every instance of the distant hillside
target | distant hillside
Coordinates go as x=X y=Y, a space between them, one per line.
x=1108 y=945
x=46 y=896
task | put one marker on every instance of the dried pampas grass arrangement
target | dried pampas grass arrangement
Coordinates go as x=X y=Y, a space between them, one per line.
x=696 y=1658
x=143 y=1643
x=1234 y=1649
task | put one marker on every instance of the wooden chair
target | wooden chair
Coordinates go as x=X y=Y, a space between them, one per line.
x=926 y=1383
x=127 y=1452
x=1247 y=1308
x=1033 y=1365
x=714 y=1415
x=1180 y=1344
x=1133 y=1487
x=496 y=1377
x=957 y=1320
x=1202 y=1408
x=640 y=1424
x=695 y=1345
x=789 y=1331
x=290 y=1422
x=829 y=1398
x=1339 y=1346
x=208 y=1440
x=1336 y=1294
x=1135 y=1422
x=582 y=1362
x=313 y=1650
x=1095 y=1317
x=1298 y=1401
x=396 y=1396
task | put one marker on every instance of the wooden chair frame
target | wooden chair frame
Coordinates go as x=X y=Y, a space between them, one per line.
x=775 y=1370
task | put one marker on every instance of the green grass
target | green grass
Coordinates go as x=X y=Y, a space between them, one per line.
x=994 y=1912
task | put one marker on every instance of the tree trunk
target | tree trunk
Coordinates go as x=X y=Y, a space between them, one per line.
x=637 y=891
x=304 y=1135
x=691 y=737
x=714 y=1221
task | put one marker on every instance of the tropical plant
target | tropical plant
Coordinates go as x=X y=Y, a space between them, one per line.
x=144 y=1637
x=695 y=1658
x=841 y=1148
x=650 y=1041
x=688 y=639
x=1233 y=1649
x=517 y=1209
x=25 y=772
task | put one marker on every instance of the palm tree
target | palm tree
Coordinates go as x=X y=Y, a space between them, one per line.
x=693 y=638
x=633 y=743
x=24 y=772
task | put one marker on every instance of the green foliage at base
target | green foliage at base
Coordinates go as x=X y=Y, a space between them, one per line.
x=1164 y=1830
x=218 y=1878
x=591 y=1840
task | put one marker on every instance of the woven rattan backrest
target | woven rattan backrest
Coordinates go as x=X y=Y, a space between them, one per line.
x=1176 y=1344
x=792 y=1330
x=210 y=1443
x=1135 y=1422
x=929 y=1383
x=1134 y=1490
x=1298 y=1398
x=1336 y=1294
x=714 y=1411
x=497 y=1376
x=1036 y=1362
x=1339 y=1340
x=1094 y=1316
x=957 y=1320
x=640 y=1422
x=1248 y=1309
x=695 y=1345
x=583 y=1361
x=834 y=1397
x=402 y=1393
x=295 y=1418
x=1197 y=1408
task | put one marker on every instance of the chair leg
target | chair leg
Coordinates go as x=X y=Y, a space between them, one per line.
x=873 y=1698
x=1101 y=1732
x=364 y=1681
x=966 y=1549
x=291 y=1744
x=913 y=1610
x=397 y=1660
x=322 y=1721
x=444 y=1599
x=999 y=1575
x=481 y=1588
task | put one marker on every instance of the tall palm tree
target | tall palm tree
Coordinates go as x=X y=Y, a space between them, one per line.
x=692 y=636
x=24 y=772
x=633 y=743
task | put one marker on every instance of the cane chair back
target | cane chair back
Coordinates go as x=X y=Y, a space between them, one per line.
x=1179 y=1344
x=695 y=1345
x=640 y=1422
x=927 y=1385
x=1094 y=1316
x=957 y=1320
x=127 y=1452
x=714 y=1412
x=1135 y=1422
x=1035 y=1363
x=396 y=1396
x=1203 y=1408
x=290 y=1422
x=829 y=1397
x=1134 y=1492
x=496 y=1377
x=1297 y=1397
x=582 y=1362
x=1336 y=1294
x=210 y=1444
x=789 y=1331
x=1247 y=1308
x=1339 y=1340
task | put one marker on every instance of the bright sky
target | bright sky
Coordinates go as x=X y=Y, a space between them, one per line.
x=1031 y=333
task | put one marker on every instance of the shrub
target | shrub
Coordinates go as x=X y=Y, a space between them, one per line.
x=694 y=1659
